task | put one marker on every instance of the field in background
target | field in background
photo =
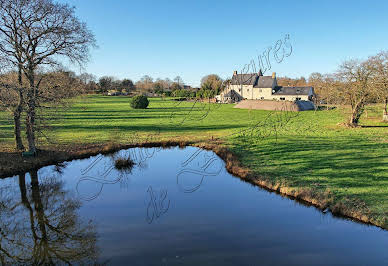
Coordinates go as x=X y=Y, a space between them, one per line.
x=306 y=149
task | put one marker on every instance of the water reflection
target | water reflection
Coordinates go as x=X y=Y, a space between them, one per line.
x=101 y=170
x=157 y=205
x=223 y=221
x=196 y=168
x=42 y=225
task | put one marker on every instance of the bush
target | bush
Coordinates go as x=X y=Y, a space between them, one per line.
x=124 y=164
x=139 y=102
x=183 y=93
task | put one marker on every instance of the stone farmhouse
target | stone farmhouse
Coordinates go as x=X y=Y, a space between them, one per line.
x=255 y=86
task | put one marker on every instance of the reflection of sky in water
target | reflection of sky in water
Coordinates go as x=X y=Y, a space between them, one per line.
x=201 y=214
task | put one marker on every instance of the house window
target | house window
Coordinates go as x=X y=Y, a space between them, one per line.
x=262 y=98
x=247 y=89
x=282 y=98
x=298 y=98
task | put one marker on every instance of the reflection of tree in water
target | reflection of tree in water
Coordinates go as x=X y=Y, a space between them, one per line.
x=39 y=225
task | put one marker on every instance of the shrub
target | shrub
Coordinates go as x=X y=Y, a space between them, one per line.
x=183 y=93
x=139 y=102
x=124 y=164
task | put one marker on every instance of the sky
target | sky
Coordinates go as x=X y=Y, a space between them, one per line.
x=196 y=38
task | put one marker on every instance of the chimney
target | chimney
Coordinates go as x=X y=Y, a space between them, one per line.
x=273 y=75
x=235 y=73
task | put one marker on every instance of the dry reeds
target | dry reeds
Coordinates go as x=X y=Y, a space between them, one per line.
x=124 y=163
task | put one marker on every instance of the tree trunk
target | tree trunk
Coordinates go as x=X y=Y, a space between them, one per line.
x=17 y=114
x=37 y=199
x=356 y=114
x=22 y=187
x=17 y=128
x=30 y=118
x=30 y=125
x=385 y=113
x=353 y=120
x=44 y=257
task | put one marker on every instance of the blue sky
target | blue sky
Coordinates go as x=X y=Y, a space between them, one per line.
x=195 y=38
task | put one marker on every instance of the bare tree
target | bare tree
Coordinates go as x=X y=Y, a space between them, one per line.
x=38 y=33
x=145 y=83
x=326 y=88
x=356 y=77
x=88 y=82
x=12 y=98
x=178 y=80
x=9 y=27
x=167 y=83
x=286 y=81
x=380 y=65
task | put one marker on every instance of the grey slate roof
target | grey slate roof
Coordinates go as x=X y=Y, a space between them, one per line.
x=232 y=94
x=244 y=79
x=257 y=81
x=264 y=82
x=292 y=90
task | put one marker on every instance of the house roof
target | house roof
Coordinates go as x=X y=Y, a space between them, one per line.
x=254 y=79
x=244 y=79
x=264 y=82
x=292 y=90
x=231 y=94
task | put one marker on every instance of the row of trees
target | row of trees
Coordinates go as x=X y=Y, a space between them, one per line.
x=211 y=85
x=145 y=84
x=356 y=83
x=35 y=36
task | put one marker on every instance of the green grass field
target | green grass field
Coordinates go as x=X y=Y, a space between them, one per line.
x=308 y=149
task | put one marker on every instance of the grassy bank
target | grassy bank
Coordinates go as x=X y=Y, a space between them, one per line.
x=310 y=155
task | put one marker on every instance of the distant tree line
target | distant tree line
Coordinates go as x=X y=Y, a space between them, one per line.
x=211 y=85
x=356 y=83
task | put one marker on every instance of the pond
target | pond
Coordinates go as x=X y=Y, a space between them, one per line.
x=174 y=207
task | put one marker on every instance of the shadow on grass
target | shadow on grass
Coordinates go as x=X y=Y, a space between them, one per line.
x=376 y=126
x=325 y=108
x=353 y=164
x=146 y=128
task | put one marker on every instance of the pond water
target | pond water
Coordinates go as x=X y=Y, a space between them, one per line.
x=174 y=207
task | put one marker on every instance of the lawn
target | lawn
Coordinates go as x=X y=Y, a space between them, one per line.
x=307 y=149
